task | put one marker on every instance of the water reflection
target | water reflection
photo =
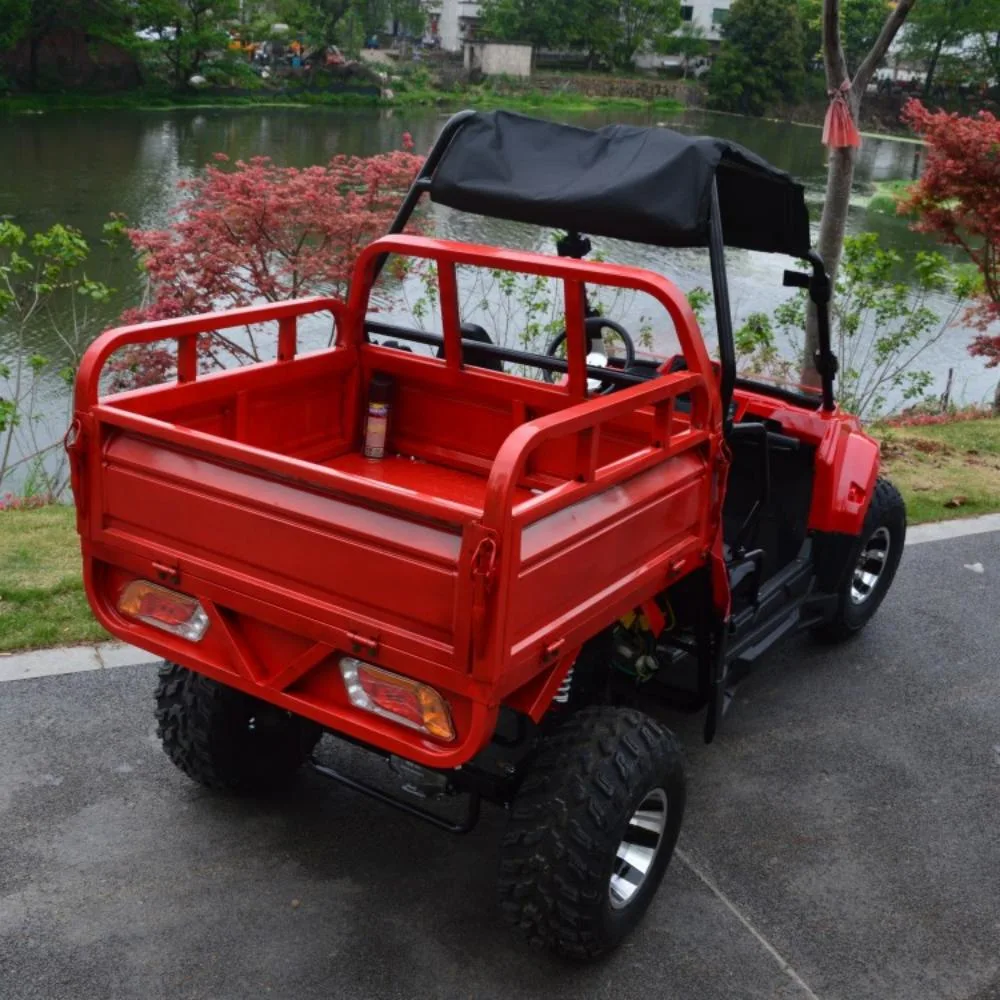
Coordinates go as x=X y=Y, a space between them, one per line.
x=77 y=168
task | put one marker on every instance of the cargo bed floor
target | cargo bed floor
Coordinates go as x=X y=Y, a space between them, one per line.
x=403 y=472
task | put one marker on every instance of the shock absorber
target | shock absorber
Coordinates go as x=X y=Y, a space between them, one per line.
x=561 y=696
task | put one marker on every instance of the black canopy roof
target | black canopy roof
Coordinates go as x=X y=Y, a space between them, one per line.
x=647 y=185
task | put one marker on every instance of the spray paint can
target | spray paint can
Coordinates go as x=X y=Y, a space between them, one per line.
x=377 y=419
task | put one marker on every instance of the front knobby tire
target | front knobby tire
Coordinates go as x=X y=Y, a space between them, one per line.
x=872 y=563
x=591 y=831
x=225 y=739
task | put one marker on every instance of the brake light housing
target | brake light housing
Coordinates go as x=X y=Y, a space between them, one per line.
x=167 y=610
x=405 y=701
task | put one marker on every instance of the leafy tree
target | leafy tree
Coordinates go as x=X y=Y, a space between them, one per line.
x=34 y=21
x=881 y=327
x=594 y=28
x=615 y=29
x=189 y=32
x=251 y=231
x=349 y=22
x=958 y=199
x=542 y=23
x=936 y=26
x=645 y=23
x=760 y=59
x=43 y=279
x=860 y=24
x=689 y=43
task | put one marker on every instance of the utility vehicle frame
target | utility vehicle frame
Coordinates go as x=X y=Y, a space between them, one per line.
x=506 y=601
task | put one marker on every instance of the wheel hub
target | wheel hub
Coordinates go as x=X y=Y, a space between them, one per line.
x=637 y=851
x=870 y=565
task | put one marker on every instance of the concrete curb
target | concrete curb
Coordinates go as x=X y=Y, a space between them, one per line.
x=70 y=660
x=937 y=531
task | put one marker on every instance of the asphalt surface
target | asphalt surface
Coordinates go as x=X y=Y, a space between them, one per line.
x=842 y=841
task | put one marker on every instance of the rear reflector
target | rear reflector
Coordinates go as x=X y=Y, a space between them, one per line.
x=405 y=701
x=164 y=609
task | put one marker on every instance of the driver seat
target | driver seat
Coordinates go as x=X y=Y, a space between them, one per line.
x=470 y=356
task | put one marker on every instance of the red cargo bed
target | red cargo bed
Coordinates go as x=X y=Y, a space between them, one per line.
x=476 y=557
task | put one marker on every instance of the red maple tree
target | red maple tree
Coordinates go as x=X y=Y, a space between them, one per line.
x=958 y=199
x=251 y=231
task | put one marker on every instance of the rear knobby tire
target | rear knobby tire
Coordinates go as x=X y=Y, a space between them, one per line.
x=225 y=739
x=879 y=547
x=569 y=819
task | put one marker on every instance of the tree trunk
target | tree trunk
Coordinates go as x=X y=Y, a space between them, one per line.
x=929 y=78
x=840 y=168
x=33 y=46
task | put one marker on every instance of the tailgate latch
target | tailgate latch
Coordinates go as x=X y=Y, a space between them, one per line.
x=484 y=567
x=167 y=574
x=363 y=643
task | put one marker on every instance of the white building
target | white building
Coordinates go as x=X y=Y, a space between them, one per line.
x=709 y=15
x=451 y=21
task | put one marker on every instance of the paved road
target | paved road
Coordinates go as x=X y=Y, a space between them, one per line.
x=842 y=841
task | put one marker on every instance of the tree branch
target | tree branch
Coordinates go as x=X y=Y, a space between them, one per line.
x=877 y=53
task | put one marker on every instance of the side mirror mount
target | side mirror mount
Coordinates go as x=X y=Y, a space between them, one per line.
x=820 y=289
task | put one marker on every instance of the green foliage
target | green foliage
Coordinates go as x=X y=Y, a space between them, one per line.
x=191 y=35
x=887 y=196
x=699 y=300
x=881 y=325
x=518 y=310
x=43 y=279
x=760 y=59
x=954 y=41
x=31 y=22
x=645 y=23
x=612 y=30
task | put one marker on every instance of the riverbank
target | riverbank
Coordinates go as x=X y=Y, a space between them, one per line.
x=409 y=86
x=944 y=471
x=482 y=96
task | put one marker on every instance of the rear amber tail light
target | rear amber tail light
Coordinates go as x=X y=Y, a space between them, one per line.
x=164 y=609
x=405 y=701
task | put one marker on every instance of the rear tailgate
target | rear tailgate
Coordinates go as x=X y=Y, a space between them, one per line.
x=294 y=563
x=291 y=576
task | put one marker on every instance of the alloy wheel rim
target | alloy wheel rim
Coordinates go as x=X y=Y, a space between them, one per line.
x=638 y=849
x=870 y=566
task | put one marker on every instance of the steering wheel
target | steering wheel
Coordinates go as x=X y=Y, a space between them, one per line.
x=592 y=326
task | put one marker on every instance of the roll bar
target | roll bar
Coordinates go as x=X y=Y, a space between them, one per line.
x=818 y=283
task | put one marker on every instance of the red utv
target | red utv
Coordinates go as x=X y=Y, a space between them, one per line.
x=495 y=580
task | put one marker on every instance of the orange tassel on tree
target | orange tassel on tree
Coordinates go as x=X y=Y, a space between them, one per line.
x=839 y=129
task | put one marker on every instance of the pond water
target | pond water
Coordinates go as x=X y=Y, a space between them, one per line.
x=76 y=168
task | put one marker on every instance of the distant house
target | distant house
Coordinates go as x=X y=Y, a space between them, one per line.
x=709 y=15
x=452 y=22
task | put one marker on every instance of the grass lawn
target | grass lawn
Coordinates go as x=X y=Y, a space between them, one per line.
x=41 y=590
x=943 y=471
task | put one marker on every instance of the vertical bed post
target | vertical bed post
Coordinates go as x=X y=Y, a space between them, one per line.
x=723 y=313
